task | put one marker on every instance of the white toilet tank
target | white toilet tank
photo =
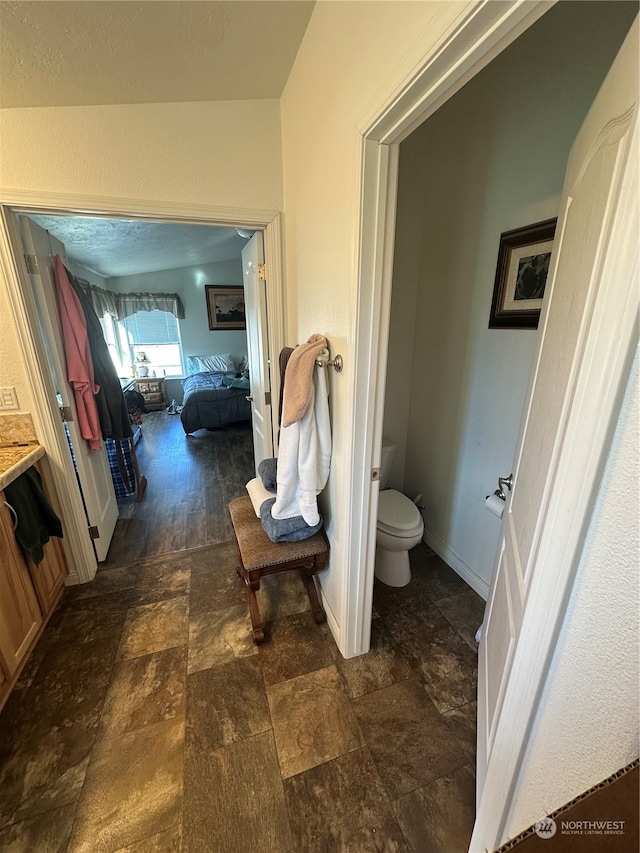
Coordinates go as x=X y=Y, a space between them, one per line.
x=388 y=449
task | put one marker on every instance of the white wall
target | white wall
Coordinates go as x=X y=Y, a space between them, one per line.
x=587 y=723
x=189 y=283
x=407 y=277
x=353 y=57
x=12 y=369
x=223 y=154
x=87 y=274
x=493 y=159
x=351 y=61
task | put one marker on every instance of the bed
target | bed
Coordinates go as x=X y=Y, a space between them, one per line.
x=215 y=398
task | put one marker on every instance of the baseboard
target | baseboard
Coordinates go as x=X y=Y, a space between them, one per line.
x=332 y=622
x=459 y=566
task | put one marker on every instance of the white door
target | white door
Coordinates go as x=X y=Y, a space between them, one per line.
x=255 y=298
x=92 y=465
x=586 y=339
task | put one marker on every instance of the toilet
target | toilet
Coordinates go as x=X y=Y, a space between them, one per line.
x=400 y=527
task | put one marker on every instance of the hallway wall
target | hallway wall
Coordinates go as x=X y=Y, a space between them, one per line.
x=189 y=283
x=593 y=677
x=491 y=160
x=192 y=153
x=353 y=58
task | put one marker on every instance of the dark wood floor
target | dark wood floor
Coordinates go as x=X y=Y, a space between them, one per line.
x=148 y=721
x=191 y=480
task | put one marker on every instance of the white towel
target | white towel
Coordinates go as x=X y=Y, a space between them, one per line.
x=304 y=457
x=258 y=494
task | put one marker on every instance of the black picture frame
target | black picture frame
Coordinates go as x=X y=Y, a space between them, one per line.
x=524 y=256
x=225 y=307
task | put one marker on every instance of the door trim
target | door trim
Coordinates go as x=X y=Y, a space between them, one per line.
x=78 y=548
x=473 y=42
x=478 y=36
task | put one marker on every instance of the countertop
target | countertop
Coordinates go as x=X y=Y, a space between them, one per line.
x=16 y=459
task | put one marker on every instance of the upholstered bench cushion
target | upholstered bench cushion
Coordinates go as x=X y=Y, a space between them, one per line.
x=257 y=550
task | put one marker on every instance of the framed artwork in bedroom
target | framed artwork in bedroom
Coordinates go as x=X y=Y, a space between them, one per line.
x=225 y=307
x=521 y=276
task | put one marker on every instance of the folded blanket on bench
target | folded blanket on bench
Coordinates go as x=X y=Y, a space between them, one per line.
x=285 y=529
x=268 y=471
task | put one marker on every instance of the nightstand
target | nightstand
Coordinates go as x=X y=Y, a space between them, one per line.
x=154 y=392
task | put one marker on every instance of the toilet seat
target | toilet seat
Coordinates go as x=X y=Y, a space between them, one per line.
x=397 y=515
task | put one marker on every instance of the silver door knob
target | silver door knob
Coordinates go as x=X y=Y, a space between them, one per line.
x=249 y=399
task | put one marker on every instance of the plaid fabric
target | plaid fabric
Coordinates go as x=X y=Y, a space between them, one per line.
x=118 y=484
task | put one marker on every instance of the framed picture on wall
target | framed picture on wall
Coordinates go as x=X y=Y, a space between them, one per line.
x=521 y=276
x=225 y=307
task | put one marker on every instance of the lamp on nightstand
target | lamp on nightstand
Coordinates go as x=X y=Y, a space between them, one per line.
x=141 y=364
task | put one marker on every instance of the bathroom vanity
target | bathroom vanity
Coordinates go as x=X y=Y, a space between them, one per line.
x=28 y=592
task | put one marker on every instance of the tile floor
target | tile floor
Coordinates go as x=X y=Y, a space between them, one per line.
x=148 y=722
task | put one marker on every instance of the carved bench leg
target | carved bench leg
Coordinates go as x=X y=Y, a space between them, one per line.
x=316 y=607
x=254 y=613
x=254 y=610
x=253 y=585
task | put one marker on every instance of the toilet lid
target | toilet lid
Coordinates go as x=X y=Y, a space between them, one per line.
x=396 y=511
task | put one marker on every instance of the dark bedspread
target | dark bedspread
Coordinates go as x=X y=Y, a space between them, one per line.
x=208 y=403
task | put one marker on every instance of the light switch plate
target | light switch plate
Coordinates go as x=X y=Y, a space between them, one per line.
x=8 y=398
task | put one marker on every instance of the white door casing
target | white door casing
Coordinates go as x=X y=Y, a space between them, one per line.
x=255 y=297
x=588 y=333
x=424 y=83
x=92 y=465
x=77 y=544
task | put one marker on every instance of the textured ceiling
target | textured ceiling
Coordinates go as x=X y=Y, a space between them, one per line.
x=116 y=247
x=112 y=52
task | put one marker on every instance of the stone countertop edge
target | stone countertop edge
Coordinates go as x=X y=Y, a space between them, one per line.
x=15 y=461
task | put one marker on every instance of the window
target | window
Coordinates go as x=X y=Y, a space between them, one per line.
x=110 y=331
x=156 y=333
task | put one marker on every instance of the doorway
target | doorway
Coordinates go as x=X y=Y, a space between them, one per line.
x=79 y=552
x=380 y=175
x=490 y=160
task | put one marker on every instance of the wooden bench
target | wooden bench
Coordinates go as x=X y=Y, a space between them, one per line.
x=259 y=556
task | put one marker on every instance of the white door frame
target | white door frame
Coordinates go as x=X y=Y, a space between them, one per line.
x=78 y=548
x=479 y=35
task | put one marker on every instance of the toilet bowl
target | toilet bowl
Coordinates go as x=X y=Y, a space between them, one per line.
x=400 y=528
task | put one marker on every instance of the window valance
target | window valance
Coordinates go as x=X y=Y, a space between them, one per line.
x=121 y=305
x=129 y=303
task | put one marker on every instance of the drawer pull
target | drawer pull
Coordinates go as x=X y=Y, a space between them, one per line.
x=13 y=513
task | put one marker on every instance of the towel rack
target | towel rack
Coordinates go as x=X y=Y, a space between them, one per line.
x=325 y=361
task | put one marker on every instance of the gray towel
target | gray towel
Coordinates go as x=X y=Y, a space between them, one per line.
x=268 y=472
x=285 y=529
x=36 y=519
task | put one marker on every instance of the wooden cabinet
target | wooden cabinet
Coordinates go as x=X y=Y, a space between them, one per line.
x=48 y=576
x=28 y=595
x=20 y=613
x=154 y=392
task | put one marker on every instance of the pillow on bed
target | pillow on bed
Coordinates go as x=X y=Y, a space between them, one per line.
x=219 y=363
